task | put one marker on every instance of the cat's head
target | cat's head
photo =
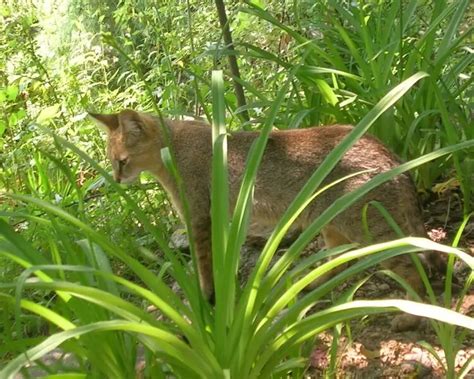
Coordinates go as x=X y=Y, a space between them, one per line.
x=131 y=143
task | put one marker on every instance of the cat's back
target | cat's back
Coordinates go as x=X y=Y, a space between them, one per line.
x=300 y=150
x=305 y=149
x=317 y=142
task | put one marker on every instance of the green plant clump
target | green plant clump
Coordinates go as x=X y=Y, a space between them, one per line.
x=84 y=261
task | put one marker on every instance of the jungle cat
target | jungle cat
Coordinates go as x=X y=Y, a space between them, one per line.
x=291 y=156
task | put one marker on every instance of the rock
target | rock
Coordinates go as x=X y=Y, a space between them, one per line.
x=405 y=322
x=179 y=240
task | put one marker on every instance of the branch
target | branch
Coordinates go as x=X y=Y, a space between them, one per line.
x=234 y=68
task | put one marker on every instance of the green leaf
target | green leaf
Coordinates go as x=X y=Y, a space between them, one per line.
x=12 y=92
x=69 y=375
x=48 y=114
x=3 y=127
x=12 y=119
x=21 y=114
x=219 y=208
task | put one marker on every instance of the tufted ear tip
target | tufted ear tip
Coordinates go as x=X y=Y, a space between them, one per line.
x=110 y=121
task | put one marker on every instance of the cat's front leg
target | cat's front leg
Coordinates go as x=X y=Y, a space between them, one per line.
x=201 y=230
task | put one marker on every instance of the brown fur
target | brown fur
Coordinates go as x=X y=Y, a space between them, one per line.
x=290 y=158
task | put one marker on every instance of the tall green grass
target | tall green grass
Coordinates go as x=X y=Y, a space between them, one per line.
x=256 y=331
x=364 y=50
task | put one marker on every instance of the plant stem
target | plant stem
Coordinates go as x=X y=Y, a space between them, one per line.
x=234 y=67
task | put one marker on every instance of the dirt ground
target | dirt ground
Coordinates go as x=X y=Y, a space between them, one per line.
x=374 y=351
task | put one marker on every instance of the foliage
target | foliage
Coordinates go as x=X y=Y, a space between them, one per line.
x=303 y=63
x=358 y=53
x=240 y=337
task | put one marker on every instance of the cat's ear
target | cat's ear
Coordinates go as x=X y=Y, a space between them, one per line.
x=131 y=121
x=108 y=122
